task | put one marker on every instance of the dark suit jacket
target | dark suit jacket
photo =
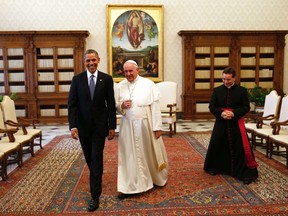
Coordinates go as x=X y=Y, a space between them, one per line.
x=97 y=116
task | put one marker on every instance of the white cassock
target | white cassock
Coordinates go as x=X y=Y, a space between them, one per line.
x=142 y=160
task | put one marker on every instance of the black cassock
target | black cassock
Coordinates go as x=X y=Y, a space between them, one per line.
x=225 y=154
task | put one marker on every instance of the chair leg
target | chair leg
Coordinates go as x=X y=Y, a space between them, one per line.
x=40 y=141
x=270 y=149
x=267 y=146
x=20 y=157
x=4 y=174
x=170 y=130
x=253 y=140
x=267 y=149
x=174 y=127
x=32 y=147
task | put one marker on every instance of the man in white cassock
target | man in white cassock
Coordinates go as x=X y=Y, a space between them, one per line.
x=142 y=158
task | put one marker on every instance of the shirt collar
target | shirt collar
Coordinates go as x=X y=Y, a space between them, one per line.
x=89 y=74
x=231 y=85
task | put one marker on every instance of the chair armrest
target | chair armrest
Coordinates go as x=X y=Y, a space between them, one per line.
x=9 y=133
x=170 y=106
x=14 y=124
x=276 y=125
x=260 y=119
x=29 y=121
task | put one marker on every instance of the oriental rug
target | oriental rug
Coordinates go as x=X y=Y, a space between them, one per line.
x=55 y=182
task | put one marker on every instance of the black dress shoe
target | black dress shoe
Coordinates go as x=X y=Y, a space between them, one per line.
x=212 y=173
x=247 y=181
x=93 y=205
x=123 y=196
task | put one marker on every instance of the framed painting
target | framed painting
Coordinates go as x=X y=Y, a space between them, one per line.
x=135 y=32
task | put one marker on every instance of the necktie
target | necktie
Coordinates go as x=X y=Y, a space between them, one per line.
x=92 y=86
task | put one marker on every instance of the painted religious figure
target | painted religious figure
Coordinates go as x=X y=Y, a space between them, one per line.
x=135 y=29
x=135 y=36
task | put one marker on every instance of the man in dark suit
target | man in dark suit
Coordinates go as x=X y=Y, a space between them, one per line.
x=92 y=117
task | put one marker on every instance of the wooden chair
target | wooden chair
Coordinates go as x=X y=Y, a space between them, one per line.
x=265 y=133
x=11 y=121
x=9 y=153
x=270 y=113
x=279 y=136
x=10 y=149
x=168 y=104
x=26 y=140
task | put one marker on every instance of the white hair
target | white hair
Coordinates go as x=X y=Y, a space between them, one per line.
x=132 y=62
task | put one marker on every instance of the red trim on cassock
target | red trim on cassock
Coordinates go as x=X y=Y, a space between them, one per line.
x=250 y=161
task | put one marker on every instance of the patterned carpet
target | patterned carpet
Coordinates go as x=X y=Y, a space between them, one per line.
x=55 y=182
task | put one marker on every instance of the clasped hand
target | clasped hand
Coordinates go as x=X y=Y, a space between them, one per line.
x=227 y=114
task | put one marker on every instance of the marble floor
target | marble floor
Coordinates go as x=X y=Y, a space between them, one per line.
x=49 y=131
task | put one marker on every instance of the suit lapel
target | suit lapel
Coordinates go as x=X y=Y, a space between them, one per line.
x=99 y=84
x=84 y=83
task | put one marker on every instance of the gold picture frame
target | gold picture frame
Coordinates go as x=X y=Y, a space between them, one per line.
x=135 y=32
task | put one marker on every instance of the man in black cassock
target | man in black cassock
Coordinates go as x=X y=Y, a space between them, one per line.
x=229 y=150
